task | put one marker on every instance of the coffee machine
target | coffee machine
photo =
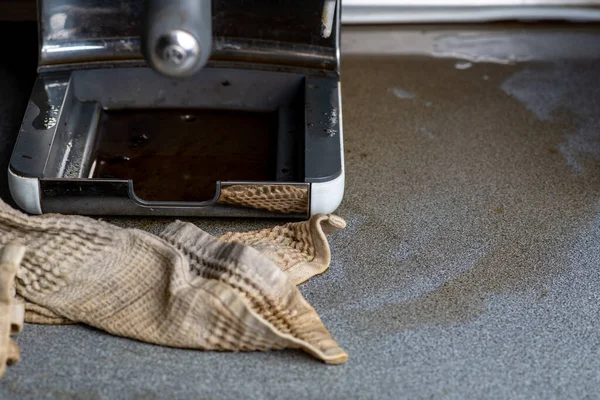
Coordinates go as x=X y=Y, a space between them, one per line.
x=183 y=108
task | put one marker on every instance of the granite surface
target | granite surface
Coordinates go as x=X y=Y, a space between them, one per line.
x=469 y=267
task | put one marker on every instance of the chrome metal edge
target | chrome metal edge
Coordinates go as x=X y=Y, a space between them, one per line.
x=117 y=50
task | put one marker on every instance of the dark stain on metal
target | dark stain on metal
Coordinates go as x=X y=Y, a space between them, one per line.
x=183 y=153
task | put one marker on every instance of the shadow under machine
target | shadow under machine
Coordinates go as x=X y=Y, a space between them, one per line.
x=184 y=108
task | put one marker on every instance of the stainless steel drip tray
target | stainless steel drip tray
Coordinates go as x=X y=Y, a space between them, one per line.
x=228 y=142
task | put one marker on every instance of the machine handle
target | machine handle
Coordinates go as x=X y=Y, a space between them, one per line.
x=177 y=36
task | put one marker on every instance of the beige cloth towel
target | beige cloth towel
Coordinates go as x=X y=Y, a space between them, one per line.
x=11 y=311
x=300 y=249
x=184 y=289
x=280 y=198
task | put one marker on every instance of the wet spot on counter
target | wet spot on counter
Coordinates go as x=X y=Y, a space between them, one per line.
x=402 y=94
x=537 y=90
x=463 y=65
x=427 y=133
x=544 y=91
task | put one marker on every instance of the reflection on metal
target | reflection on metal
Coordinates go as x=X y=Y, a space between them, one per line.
x=282 y=198
x=78 y=31
x=175 y=46
x=91 y=50
x=263 y=52
x=56 y=48
x=328 y=17
x=129 y=49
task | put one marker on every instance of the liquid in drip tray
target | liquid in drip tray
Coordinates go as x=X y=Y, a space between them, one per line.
x=179 y=155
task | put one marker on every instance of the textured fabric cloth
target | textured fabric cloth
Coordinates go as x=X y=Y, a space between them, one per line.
x=281 y=198
x=300 y=249
x=11 y=311
x=36 y=314
x=184 y=289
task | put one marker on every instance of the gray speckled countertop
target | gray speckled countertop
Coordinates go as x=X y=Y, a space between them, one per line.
x=469 y=268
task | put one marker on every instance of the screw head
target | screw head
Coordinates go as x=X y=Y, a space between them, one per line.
x=176 y=53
